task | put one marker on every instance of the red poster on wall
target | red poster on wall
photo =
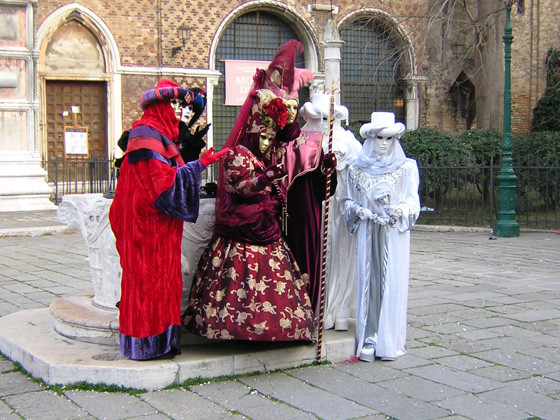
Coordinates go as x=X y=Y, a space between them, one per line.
x=239 y=78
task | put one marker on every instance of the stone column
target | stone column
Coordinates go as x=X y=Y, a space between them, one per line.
x=23 y=183
x=332 y=45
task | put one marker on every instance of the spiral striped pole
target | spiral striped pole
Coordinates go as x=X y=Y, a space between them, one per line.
x=325 y=236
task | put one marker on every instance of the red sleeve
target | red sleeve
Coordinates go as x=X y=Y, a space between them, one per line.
x=155 y=177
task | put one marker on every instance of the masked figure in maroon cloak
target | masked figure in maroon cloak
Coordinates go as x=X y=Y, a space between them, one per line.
x=301 y=154
x=155 y=193
x=247 y=285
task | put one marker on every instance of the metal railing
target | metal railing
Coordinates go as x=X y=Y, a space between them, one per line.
x=449 y=195
x=466 y=196
x=80 y=176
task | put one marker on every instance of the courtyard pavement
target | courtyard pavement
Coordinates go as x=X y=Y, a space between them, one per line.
x=483 y=339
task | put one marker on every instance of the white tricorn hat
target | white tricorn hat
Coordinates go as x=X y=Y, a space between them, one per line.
x=382 y=121
x=320 y=107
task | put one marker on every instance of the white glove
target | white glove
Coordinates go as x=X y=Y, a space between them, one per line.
x=364 y=213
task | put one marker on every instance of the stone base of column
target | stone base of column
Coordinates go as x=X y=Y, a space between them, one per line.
x=23 y=185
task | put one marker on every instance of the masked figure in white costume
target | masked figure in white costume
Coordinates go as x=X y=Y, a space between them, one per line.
x=380 y=206
x=341 y=264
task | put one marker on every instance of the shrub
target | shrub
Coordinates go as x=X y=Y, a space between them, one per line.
x=539 y=153
x=546 y=114
x=434 y=150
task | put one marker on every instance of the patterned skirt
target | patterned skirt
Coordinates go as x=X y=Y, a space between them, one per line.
x=249 y=292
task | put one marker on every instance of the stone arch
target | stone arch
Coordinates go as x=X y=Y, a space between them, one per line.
x=407 y=63
x=463 y=98
x=97 y=38
x=298 y=23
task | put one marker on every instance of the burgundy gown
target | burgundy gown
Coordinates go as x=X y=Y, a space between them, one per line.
x=247 y=285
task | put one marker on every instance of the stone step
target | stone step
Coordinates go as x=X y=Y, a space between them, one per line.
x=29 y=338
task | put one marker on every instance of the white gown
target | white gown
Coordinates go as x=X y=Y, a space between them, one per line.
x=383 y=254
x=340 y=299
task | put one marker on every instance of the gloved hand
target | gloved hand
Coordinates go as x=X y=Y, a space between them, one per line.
x=201 y=131
x=208 y=157
x=364 y=213
x=274 y=172
x=329 y=162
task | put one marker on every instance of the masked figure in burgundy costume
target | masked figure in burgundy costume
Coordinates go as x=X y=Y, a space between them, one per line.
x=155 y=193
x=247 y=285
x=301 y=155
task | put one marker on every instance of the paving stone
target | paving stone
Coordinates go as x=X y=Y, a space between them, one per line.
x=476 y=335
x=5 y=365
x=449 y=328
x=413 y=333
x=408 y=361
x=44 y=405
x=501 y=373
x=420 y=388
x=378 y=371
x=419 y=302
x=462 y=345
x=463 y=362
x=479 y=408
x=535 y=315
x=473 y=313
x=16 y=383
x=539 y=384
x=453 y=378
x=5 y=410
x=518 y=361
x=114 y=405
x=542 y=349
x=436 y=309
x=432 y=352
x=554 y=375
x=305 y=397
x=431 y=319
x=389 y=402
x=181 y=404
x=236 y=396
x=533 y=403
x=493 y=321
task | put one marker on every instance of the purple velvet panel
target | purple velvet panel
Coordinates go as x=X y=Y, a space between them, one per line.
x=147 y=348
x=182 y=199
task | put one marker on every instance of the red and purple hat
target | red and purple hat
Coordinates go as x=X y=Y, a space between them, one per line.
x=165 y=91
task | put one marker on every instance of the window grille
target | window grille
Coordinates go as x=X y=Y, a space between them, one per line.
x=369 y=71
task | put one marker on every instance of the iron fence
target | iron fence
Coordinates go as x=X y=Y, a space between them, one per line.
x=466 y=195
x=80 y=176
x=450 y=195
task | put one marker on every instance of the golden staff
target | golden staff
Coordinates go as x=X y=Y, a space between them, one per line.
x=325 y=234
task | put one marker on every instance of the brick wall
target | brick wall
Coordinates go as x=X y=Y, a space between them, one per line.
x=145 y=35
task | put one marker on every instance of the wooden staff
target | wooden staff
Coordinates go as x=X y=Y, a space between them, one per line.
x=325 y=236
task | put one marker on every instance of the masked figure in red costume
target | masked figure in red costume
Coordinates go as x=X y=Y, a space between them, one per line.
x=155 y=193
x=247 y=285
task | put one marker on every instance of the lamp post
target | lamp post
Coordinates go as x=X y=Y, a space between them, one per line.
x=506 y=225
x=184 y=32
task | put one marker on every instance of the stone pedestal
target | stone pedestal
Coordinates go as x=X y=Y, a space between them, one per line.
x=93 y=317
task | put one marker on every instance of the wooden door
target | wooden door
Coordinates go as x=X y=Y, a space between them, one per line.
x=91 y=98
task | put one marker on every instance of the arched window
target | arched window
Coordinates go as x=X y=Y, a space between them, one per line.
x=370 y=70
x=252 y=36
